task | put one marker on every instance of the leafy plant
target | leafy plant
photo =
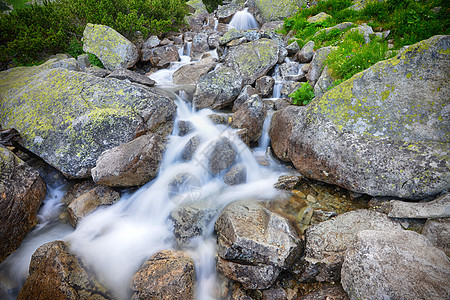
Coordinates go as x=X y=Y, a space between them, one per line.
x=303 y=95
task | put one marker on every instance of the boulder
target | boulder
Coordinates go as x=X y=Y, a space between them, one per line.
x=293 y=48
x=125 y=74
x=199 y=44
x=395 y=265
x=438 y=208
x=221 y=155
x=230 y=35
x=254 y=59
x=287 y=182
x=55 y=273
x=271 y=10
x=317 y=64
x=341 y=26
x=327 y=242
x=83 y=61
x=265 y=86
x=166 y=275
x=131 y=164
x=190 y=147
x=112 y=48
x=306 y=54
x=292 y=71
x=226 y=12
x=217 y=89
x=236 y=175
x=328 y=292
x=160 y=57
x=245 y=94
x=89 y=201
x=320 y=17
x=288 y=87
x=184 y=127
x=254 y=244
x=69 y=118
x=96 y=71
x=364 y=30
x=251 y=115
x=384 y=131
x=438 y=233
x=189 y=74
x=22 y=191
x=324 y=83
x=151 y=42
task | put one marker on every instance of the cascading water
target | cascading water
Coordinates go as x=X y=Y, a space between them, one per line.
x=243 y=20
x=278 y=82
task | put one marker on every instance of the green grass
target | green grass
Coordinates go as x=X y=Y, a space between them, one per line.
x=303 y=95
x=17 y=3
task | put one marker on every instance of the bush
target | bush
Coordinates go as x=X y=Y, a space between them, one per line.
x=303 y=95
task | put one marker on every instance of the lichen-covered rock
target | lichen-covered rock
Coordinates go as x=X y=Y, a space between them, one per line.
x=89 y=201
x=251 y=115
x=130 y=164
x=246 y=93
x=125 y=74
x=254 y=59
x=438 y=233
x=112 y=48
x=226 y=12
x=265 y=85
x=324 y=82
x=189 y=74
x=292 y=71
x=199 y=44
x=306 y=54
x=217 y=89
x=55 y=273
x=438 y=208
x=341 y=26
x=320 y=17
x=254 y=244
x=69 y=118
x=395 y=265
x=327 y=242
x=384 y=132
x=21 y=193
x=166 y=275
x=317 y=64
x=271 y=10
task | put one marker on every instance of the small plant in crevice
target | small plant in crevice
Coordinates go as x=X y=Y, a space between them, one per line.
x=303 y=95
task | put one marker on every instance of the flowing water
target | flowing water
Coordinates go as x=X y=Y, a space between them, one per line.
x=243 y=20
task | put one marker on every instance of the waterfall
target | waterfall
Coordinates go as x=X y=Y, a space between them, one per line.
x=278 y=82
x=243 y=20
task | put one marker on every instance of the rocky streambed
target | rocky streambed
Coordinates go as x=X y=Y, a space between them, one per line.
x=181 y=171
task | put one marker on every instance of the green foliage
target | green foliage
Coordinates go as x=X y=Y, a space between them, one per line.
x=31 y=33
x=95 y=61
x=303 y=95
x=211 y=5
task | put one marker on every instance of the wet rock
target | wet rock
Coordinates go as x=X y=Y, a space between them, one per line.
x=48 y=107
x=245 y=94
x=273 y=26
x=130 y=164
x=191 y=147
x=113 y=49
x=320 y=216
x=317 y=64
x=438 y=208
x=199 y=44
x=292 y=71
x=218 y=119
x=160 y=57
x=166 y=275
x=327 y=242
x=395 y=265
x=254 y=59
x=184 y=189
x=265 y=85
x=77 y=190
x=287 y=182
x=438 y=233
x=327 y=292
x=251 y=115
x=324 y=83
x=221 y=155
x=336 y=146
x=151 y=42
x=125 y=74
x=320 y=17
x=191 y=221
x=189 y=74
x=305 y=55
x=22 y=191
x=282 y=124
x=55 y=273
x=89 y=201
x=217 y=89
x=96 y=71
x=184 y=127
x=254 y=244
x=274 y=293
x=236 y=175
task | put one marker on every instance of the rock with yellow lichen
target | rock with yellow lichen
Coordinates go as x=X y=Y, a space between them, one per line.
x=113 y=49
x=69 y=118
x=384 y=132
x=274 y=10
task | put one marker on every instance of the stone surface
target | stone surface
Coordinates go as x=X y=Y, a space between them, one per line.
x=131 y=164
x=327 y=242
x=438 y=233
x=327 y=292
x=342 y=27
x=438 y=208
x=305 y=55
x=395 y=265
x=69 y=118
x=89 y=201
x=288 y=87
x=317 y=64
x=236 y=175
x=254 y=59
x=112 y=48
x=292 y=71
x=271 y=10
x=22 y=191
x=384 y=131
x=160 y=57
x=125 y=74
x=55 y=273
x=83 y=61
x=166 y=275
x=217 y=89
x=190 y=147
x=230 y=35
x=151 y=42
x=320 y=17
x=287 y=182
x=324 y=82
x=293 y=48
x=189 y=74
x=96 y=71
x=221 y=155
x=251 y=115
x=199 y=44
x=246 y=93
x=265 y=86
x=184 y=127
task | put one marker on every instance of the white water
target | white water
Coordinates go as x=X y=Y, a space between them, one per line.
x=278 y=82
x=243 y=20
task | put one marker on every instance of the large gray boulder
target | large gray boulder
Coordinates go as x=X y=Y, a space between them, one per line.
x=189 y=74
x=438 y=208
x=254 y=59
x=112 y=48
x=384 y=132
x=21 y=193
x=271 y=10
x=317 y=64
x=217 y=89
x=395 y=265
x=327 y=242
x=69 y=118
x=251 y=115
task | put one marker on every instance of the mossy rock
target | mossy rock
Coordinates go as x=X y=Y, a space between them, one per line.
x=275 y=10
x=69 y=118
x=385 y=131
